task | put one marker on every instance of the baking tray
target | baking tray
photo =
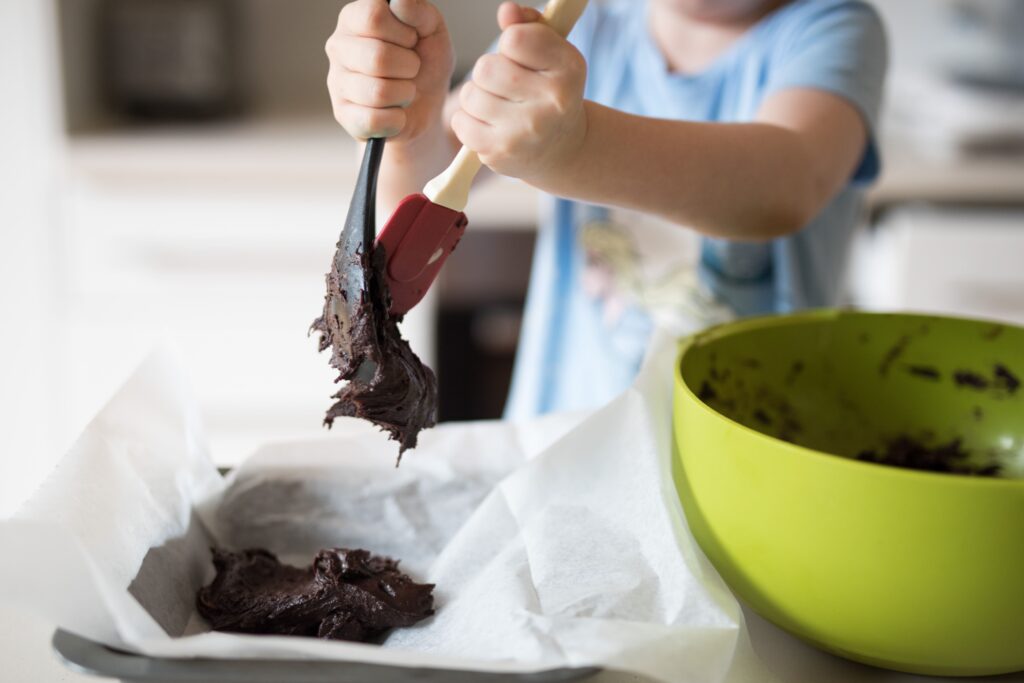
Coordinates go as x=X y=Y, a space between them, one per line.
x=89 y=657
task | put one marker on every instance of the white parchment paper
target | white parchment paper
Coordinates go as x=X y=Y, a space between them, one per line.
x=556 y=542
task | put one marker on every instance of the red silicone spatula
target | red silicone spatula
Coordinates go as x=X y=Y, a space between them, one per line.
x=425 y=228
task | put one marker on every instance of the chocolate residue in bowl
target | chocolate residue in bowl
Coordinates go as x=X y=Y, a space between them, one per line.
x=924 y=372
x=970 y=379
x=795 y=370
x=1004 y=379
x=911 y=453
x=893 y=354
x=994 y=332
x=345 y=595
x=757 y=405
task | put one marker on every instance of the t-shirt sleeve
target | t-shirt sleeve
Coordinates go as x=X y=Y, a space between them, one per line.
x=841 y=48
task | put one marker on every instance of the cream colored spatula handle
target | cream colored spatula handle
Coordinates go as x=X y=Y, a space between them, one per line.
x=562 y=15
x=451 y=188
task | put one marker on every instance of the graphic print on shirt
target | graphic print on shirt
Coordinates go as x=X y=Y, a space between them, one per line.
x=636 y=261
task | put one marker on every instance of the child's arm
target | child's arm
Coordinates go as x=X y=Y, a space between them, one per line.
x=751 y=181
x=525 y=115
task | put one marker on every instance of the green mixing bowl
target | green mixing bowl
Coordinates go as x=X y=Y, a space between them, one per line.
x=904 y=569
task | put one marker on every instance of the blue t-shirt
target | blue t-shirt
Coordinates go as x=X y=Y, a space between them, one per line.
x=592 y=300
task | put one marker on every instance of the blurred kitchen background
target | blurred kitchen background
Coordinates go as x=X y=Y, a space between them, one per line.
x=170 y=169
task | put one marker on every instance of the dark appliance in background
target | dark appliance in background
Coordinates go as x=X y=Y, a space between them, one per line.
x=482 y=291
x=170 y=59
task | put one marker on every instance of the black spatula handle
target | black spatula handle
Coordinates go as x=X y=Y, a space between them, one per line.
x=366 y=188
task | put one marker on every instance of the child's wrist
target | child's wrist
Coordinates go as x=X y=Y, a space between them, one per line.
x=422 y=145
x=569 y=156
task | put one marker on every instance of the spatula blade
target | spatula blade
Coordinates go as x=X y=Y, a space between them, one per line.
x=418 y=239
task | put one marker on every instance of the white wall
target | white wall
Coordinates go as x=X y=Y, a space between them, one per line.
x=916 y=28
x=30 y=334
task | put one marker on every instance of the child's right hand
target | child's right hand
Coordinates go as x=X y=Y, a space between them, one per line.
x=390 y=68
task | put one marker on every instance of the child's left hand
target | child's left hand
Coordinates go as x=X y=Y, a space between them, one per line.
x=522 y=112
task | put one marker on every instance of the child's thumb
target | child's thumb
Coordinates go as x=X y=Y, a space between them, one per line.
x=511 y=13
x=419 y=14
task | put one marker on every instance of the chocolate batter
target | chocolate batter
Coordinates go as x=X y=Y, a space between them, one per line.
x=387 y=383
x=910 y=453
x=1004 y=379
x=345 y=595
x=966 y=378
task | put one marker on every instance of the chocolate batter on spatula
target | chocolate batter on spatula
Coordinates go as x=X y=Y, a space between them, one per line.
x=345 y=595
x=387 y=383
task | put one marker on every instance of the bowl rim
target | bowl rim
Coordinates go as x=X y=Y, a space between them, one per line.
x=722 y=330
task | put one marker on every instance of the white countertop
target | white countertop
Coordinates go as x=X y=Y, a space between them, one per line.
x=774 y=657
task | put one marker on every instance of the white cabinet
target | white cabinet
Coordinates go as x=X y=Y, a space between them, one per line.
x=960 y=261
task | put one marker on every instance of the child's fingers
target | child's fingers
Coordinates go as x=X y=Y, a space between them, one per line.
x=375 y=92
x=534 y=46
x=501 y=76
x=511 y=13
x=364 y=123
x=374 y=19
x=376 y=58
x=419 y=15
x=474 y=134
x=483 y=105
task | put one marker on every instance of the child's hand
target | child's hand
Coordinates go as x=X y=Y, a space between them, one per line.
x=391 y=68
x=523 y=112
